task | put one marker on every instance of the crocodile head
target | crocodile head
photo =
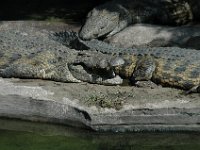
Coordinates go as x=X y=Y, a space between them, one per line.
x=105 y=20
x=95 y=67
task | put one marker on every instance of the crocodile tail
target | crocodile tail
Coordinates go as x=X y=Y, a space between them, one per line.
x=101 y=46
x=71 y=40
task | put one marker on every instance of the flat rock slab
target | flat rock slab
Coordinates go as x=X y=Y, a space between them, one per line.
x=98 y=107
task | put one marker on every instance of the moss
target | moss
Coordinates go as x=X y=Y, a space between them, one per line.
x=109 y=100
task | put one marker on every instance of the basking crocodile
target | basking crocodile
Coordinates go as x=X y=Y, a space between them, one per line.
x=28 y=52
x=113 y=16
x=168 y=66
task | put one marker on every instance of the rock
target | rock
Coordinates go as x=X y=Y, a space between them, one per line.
x=94 y=106
x=146 y=35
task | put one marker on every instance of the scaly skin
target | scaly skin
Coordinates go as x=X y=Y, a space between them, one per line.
x=27 y=52
x=113 y=16
x=169 y=66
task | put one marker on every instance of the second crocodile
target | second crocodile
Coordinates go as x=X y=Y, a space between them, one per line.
x=168 y=66
x=26 y=53
x=115 y=15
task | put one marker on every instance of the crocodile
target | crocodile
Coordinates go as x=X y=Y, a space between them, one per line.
x=113 y=16
x=28 y=52
x=168 y=66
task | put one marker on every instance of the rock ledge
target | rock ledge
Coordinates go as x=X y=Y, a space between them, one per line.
x=64 y=103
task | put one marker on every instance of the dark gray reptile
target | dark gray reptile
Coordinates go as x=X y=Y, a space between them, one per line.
x=115 y=15
x=168 y=66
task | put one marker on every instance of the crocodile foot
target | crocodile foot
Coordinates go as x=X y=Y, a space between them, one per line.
x=144 y=69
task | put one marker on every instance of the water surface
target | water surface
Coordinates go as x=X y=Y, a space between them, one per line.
x=22 y=135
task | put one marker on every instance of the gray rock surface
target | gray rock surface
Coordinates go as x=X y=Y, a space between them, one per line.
x=161 y=109
x=146 y=35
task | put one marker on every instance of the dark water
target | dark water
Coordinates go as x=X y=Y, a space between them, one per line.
x=22 y=135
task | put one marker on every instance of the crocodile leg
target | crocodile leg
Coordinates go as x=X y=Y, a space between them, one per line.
x=144 y=69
